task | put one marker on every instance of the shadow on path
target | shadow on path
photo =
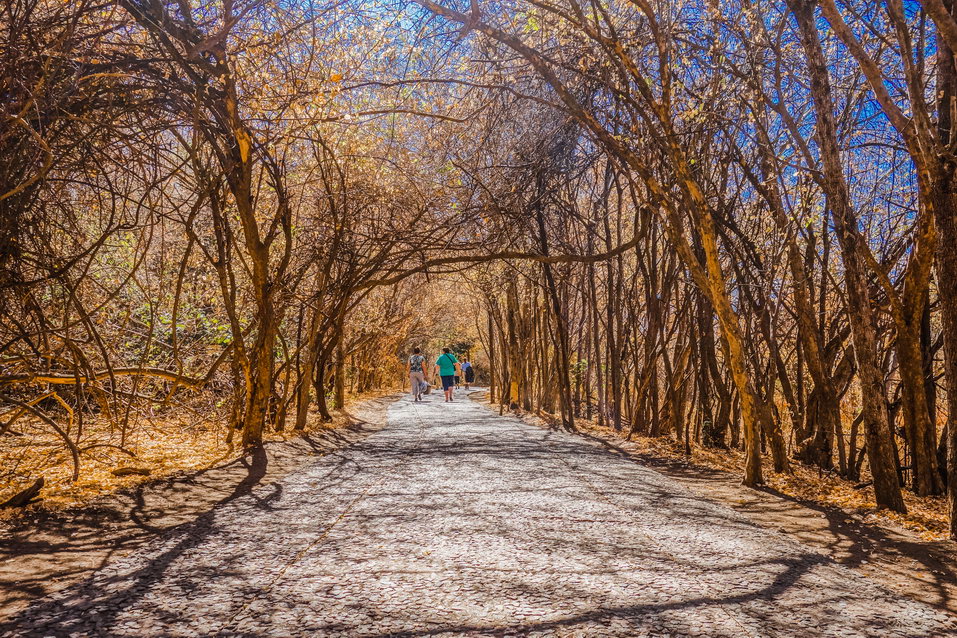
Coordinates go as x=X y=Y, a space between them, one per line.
x=456 y=522
x=45 y=550
x=924 y=570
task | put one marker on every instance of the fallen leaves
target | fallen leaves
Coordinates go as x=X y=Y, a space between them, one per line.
x=164 y=445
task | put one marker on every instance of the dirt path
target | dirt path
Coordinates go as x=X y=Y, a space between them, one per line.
x=455 y=521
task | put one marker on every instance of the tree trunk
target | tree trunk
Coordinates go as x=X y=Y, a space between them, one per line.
x=259 y=382
x=921 y=434
x=340 y=380
x=307 y=370
x=943 y=200
x=860 y=314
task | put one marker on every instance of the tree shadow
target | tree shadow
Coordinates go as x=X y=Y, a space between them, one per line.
x=855 y=543
x=190 y=535
x=46 y=548
x=931 y=576
x=568 y=520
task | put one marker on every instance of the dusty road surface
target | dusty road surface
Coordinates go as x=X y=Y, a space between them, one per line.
x=453 y=521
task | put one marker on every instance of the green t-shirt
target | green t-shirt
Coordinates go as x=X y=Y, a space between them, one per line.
x=446 y=363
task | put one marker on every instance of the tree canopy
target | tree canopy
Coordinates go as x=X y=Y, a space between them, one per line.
x=728 y=222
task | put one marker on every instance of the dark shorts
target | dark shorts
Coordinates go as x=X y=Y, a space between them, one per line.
x=448 y=382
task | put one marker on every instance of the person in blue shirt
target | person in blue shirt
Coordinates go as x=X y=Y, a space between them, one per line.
x=469 y=372
x=447 y=367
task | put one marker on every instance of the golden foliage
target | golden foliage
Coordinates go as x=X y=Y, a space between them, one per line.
x=165 y=446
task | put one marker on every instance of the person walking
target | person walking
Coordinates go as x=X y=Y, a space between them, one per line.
x=468 y=372
x=447 y=367
x=417 y=373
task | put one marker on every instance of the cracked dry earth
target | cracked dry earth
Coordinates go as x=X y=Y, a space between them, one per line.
x=453 y=521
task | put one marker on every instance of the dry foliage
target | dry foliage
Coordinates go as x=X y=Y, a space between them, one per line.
x=728 y=223
x=178 y=443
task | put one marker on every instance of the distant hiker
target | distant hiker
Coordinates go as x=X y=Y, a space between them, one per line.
x=469 y=372
x=447 y=367
x=417 y=373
